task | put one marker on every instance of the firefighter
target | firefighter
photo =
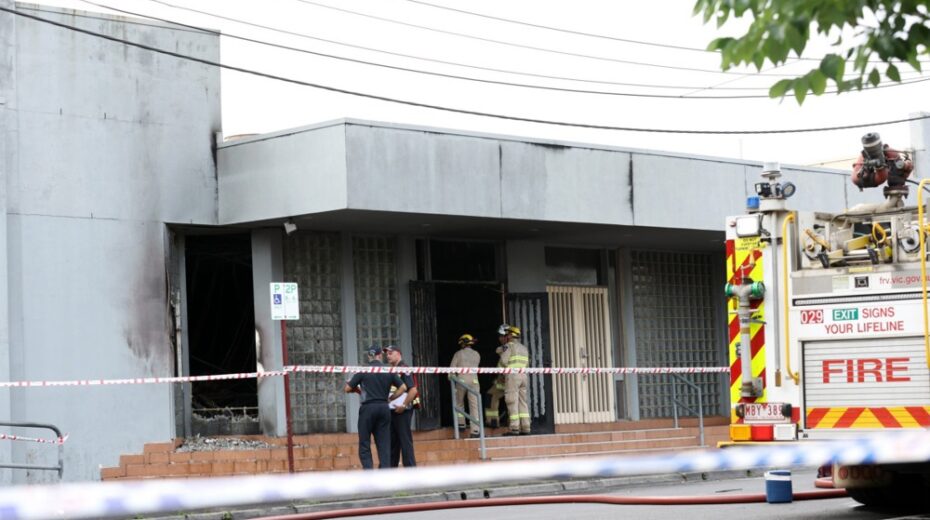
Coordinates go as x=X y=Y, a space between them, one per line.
x=466 y=357
x=496 y=393
x=515 y=355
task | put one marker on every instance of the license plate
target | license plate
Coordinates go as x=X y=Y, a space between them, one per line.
x=762 y=412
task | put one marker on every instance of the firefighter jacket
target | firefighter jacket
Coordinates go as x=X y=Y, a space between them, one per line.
x=514 y=355
x=466 y=357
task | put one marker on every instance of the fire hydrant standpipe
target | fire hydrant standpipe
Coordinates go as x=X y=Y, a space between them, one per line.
x=745 y=292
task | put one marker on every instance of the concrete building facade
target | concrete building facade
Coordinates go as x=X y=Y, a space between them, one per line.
x=133 y=245
x=102 y=146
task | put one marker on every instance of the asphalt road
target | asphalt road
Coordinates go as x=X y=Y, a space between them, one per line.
x=830 y=509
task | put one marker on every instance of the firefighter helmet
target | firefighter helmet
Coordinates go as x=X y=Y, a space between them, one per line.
x=467 y=339
x=506 y=329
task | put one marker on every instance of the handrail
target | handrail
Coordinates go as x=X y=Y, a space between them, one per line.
x=480 y=419
x=700 y=400
x=60 y=468
x=923 y=267
x=784 y=296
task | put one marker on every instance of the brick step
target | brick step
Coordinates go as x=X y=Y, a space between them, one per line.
x=604 y=436
x=547 y=450
x=614 y=453
x=646 y=424
x=339 y=451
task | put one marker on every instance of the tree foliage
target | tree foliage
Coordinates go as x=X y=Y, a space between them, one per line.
x=880 y=35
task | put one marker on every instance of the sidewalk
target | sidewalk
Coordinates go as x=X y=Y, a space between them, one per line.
x=537 y=488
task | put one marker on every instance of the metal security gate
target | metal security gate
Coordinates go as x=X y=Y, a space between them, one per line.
x=530 y=312
x=425 y=351
x=580 y=333
x=677 y=322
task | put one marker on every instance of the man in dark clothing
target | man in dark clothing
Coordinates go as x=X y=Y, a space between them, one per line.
x=374 y=416
x=401 y=436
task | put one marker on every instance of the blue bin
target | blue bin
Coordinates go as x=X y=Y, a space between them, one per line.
x=778 y=486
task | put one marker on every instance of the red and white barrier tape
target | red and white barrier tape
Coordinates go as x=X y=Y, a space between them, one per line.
x=59 y=440
x=387 y=369
x=330 y=369
x=140 y=380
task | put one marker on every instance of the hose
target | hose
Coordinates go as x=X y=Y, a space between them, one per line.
x=563 y=499
x=877 y=230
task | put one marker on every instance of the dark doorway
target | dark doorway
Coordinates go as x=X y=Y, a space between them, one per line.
x=221 y=332
x=473 y=308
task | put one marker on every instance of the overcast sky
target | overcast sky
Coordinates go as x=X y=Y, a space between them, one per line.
x=670 y=63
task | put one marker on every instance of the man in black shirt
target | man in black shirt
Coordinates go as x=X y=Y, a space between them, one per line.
x=374 y=416
x=401 y=436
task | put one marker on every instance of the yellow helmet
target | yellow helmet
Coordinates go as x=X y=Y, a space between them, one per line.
x=467 y=339
x=511 y=330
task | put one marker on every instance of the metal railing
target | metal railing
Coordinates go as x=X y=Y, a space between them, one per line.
x=676 y=402
x=60 y=468
x=456 y=410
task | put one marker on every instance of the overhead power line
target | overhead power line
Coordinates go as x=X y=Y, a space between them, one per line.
x=580 y=33
x=422 y=58
x=415 y=71
x=439 y=107
x=425 y=72
x=559 y=29
x=524 y=46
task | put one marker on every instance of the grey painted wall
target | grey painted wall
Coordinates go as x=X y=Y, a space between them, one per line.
x=268 y=267
x=110 y=144
x=526 y=266
x=362 y=165
x=282 y=175
x=9 y=133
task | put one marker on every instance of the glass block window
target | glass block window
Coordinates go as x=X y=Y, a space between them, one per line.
x=313 y=261
x=375 y=272
x=677 y=324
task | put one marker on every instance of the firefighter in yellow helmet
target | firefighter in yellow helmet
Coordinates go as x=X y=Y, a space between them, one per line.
x=515 y=355
x=466 y=357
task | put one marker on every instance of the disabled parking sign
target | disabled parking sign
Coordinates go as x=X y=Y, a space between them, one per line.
x=284 y=302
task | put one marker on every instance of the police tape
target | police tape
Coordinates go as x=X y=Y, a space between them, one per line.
x=140 y=380
x=59 y=440
x=387 y=369
x=377 y=369
x=128 y=499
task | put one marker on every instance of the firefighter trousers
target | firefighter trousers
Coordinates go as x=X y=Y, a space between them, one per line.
x=492 y=412
x=473 y=409
x=515 y=394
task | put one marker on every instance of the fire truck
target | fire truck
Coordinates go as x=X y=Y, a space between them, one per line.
x=828 y=320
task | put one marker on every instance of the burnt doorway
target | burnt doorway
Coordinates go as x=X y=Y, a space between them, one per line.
x=221 y=333
x=473 y=308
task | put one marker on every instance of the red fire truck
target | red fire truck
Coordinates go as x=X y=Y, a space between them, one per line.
x=828 y=320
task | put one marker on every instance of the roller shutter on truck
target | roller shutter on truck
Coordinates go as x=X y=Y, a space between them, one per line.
x=866 y=383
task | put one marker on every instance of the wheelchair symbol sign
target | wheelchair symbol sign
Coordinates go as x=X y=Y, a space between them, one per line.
x=284 y=302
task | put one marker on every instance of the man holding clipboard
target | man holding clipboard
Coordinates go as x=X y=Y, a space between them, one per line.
x=402 y=406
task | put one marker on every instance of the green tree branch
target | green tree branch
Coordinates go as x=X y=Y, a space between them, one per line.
x=898 y=36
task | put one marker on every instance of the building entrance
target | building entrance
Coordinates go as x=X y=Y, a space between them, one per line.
x=471 y=308
x=221 y=333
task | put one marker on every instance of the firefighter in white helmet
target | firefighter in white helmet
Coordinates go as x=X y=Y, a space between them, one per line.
x=515 y=355
x=466 y=357
x=496 y=393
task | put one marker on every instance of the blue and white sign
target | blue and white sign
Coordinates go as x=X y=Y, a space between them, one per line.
x=284 y=302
